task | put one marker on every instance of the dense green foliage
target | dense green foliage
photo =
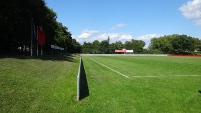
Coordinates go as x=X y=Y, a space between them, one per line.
x=165 y=44
x=104 y=47
x=175 y=44
x=16 y=18
x=15 y=21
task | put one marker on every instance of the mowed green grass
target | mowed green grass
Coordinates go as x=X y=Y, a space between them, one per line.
x=49 y=85
x=174 y=87
x=38 y=85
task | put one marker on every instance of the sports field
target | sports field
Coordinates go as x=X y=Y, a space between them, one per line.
x=143 y=83
x=116 y=84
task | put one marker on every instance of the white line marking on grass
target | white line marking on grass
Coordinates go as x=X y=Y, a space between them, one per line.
x=166 y=76
x=189 y=75
x=109 y=68
x=144 y=76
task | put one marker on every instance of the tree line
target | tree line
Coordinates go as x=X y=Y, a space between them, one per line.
x=178 y=44
x=16 y=18
x=167 y=44
x=105 y=47
x=15 y=21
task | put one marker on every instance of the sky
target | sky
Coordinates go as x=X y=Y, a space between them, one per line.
x=124 y=20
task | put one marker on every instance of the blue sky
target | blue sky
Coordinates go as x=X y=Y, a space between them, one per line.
x=123 y=20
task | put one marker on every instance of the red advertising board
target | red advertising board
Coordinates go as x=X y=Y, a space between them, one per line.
x=120 y=51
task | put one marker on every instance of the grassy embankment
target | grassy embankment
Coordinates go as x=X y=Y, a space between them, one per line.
x=46 y=84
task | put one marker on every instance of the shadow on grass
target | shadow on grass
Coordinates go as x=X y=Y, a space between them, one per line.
x=66 y=57
x=84 y=89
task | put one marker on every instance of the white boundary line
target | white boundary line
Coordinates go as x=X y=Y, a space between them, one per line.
x=167 y=76
x=109 y=68
x=145 y=76
x=188 y=75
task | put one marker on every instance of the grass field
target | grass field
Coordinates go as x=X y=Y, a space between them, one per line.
x=153 y=84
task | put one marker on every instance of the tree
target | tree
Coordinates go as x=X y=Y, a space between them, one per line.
x=104 y=47
x=112 y=48
x=197 y=45
x=183 y=43
x=128 y=45
x=76 y=46
x=138 y=45
x=118 y=45
x=87 y=48
x=96 y=47
x=174 y=43
x=162 y=44
x=16 y=20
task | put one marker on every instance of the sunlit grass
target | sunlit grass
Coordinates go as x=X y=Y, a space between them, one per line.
x=49 y=85
x=37 y=85
x=166 y=93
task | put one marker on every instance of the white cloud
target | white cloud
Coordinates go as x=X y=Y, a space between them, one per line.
x=118 y=25
x=119 y=37
x=91 y=35
x=115 y=37
x=126 y=37
x=147 y=38
x=87 y=34
x=192 y=10
x=102 y=36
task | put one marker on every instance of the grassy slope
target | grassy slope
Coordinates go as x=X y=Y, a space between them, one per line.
x=114 y=93
x=35 y=85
